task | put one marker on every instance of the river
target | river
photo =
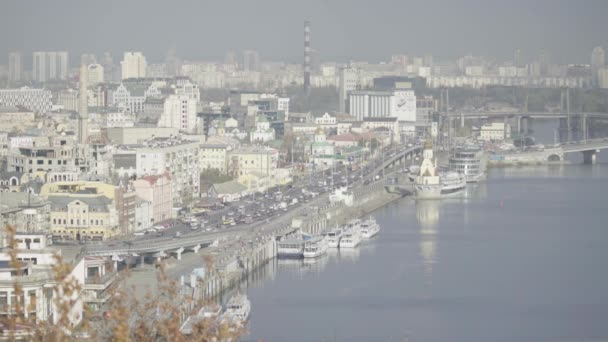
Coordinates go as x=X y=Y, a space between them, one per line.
x=522 y=257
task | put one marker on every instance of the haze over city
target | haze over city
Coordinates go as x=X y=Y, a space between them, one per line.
x=343 y=30
x=303 y=171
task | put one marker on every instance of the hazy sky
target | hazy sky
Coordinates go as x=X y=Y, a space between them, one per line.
x=341 y=29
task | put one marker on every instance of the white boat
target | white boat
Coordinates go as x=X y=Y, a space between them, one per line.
x=315 y=247
x=290 y=248
x=470 y=162
x=238 y=308
x=352 y=235
x=452 y=182
x=333 y=238
x=369 y=228
x=431 y=184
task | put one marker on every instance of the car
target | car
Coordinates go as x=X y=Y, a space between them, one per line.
x=139 y=233
x=158 y=228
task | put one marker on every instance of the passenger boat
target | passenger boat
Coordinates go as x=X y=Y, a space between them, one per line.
x=333 y=238
x=238 y=308
x=351 y=237
x=369 y=228
x=315 y=247
x=431 y=184
x=452 y=182
x=290 y=248
x=469 y=162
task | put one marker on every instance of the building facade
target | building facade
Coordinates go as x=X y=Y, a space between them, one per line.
x=37 y=100
x=133 y=65
x=179 y=111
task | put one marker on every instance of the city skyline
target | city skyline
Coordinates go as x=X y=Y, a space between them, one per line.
x=566 y=31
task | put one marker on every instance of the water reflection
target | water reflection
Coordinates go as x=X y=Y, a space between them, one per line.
x=427 y=214
x=349 y=254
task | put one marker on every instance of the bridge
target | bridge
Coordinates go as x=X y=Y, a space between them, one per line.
x=589 y=149
x=535 y=115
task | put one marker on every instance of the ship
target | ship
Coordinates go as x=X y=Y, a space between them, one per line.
x=468 y=161
x=430 y=184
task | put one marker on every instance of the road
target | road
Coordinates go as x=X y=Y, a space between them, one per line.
x=263 y=209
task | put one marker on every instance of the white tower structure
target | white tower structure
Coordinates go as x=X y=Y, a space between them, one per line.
x=83 y=106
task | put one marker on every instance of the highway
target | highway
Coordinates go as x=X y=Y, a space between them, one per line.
x=263 y=209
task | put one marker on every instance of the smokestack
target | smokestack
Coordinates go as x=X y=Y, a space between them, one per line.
x=83 y=106
x=307 y=57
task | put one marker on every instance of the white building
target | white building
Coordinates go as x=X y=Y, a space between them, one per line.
x=39 y=301
x=132 y=96
x=179 y=111
x=180 y=158
x=348 y=81
x=496 y=131
x=143 y=215
x=95 y=74
x=15 y=66
x=133 y=65
x=262 y=131
x=398 y=103
x=50 y=66
x=602 y=77
x=37 y=100
x=598 y=58
x=253 y=159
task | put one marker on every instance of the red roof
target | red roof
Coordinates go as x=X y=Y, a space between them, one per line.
x=152 y=179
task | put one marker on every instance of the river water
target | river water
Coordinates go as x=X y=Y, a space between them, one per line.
x=522 y=256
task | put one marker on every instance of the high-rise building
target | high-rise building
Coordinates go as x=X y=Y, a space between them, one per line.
x=251 y=60
x=517 y=62
x=83 y=106
x=63 y=65
x=108 y=67
x=39 y=66
x=95 y=74
x=230 y=58
x=50 y=65
x=15 y=66
x=133 y=65
x=598 y=58
x=348 y=81
x=179 y=111
x=88 y=58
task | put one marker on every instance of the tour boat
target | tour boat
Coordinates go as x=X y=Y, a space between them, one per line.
x=452 y=182
x=333 y=238
x=290 y=248
x=315 y=247
x=469 y=162
x=352 y=236
x=238 y=308
x=369 y=228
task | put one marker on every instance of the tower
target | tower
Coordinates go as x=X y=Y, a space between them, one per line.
x=14 y=66
x=307 y=57
x=83 y=106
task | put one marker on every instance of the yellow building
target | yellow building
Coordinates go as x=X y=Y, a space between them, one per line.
x=82 y=210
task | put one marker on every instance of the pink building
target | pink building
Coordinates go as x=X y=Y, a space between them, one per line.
x=157 y=190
